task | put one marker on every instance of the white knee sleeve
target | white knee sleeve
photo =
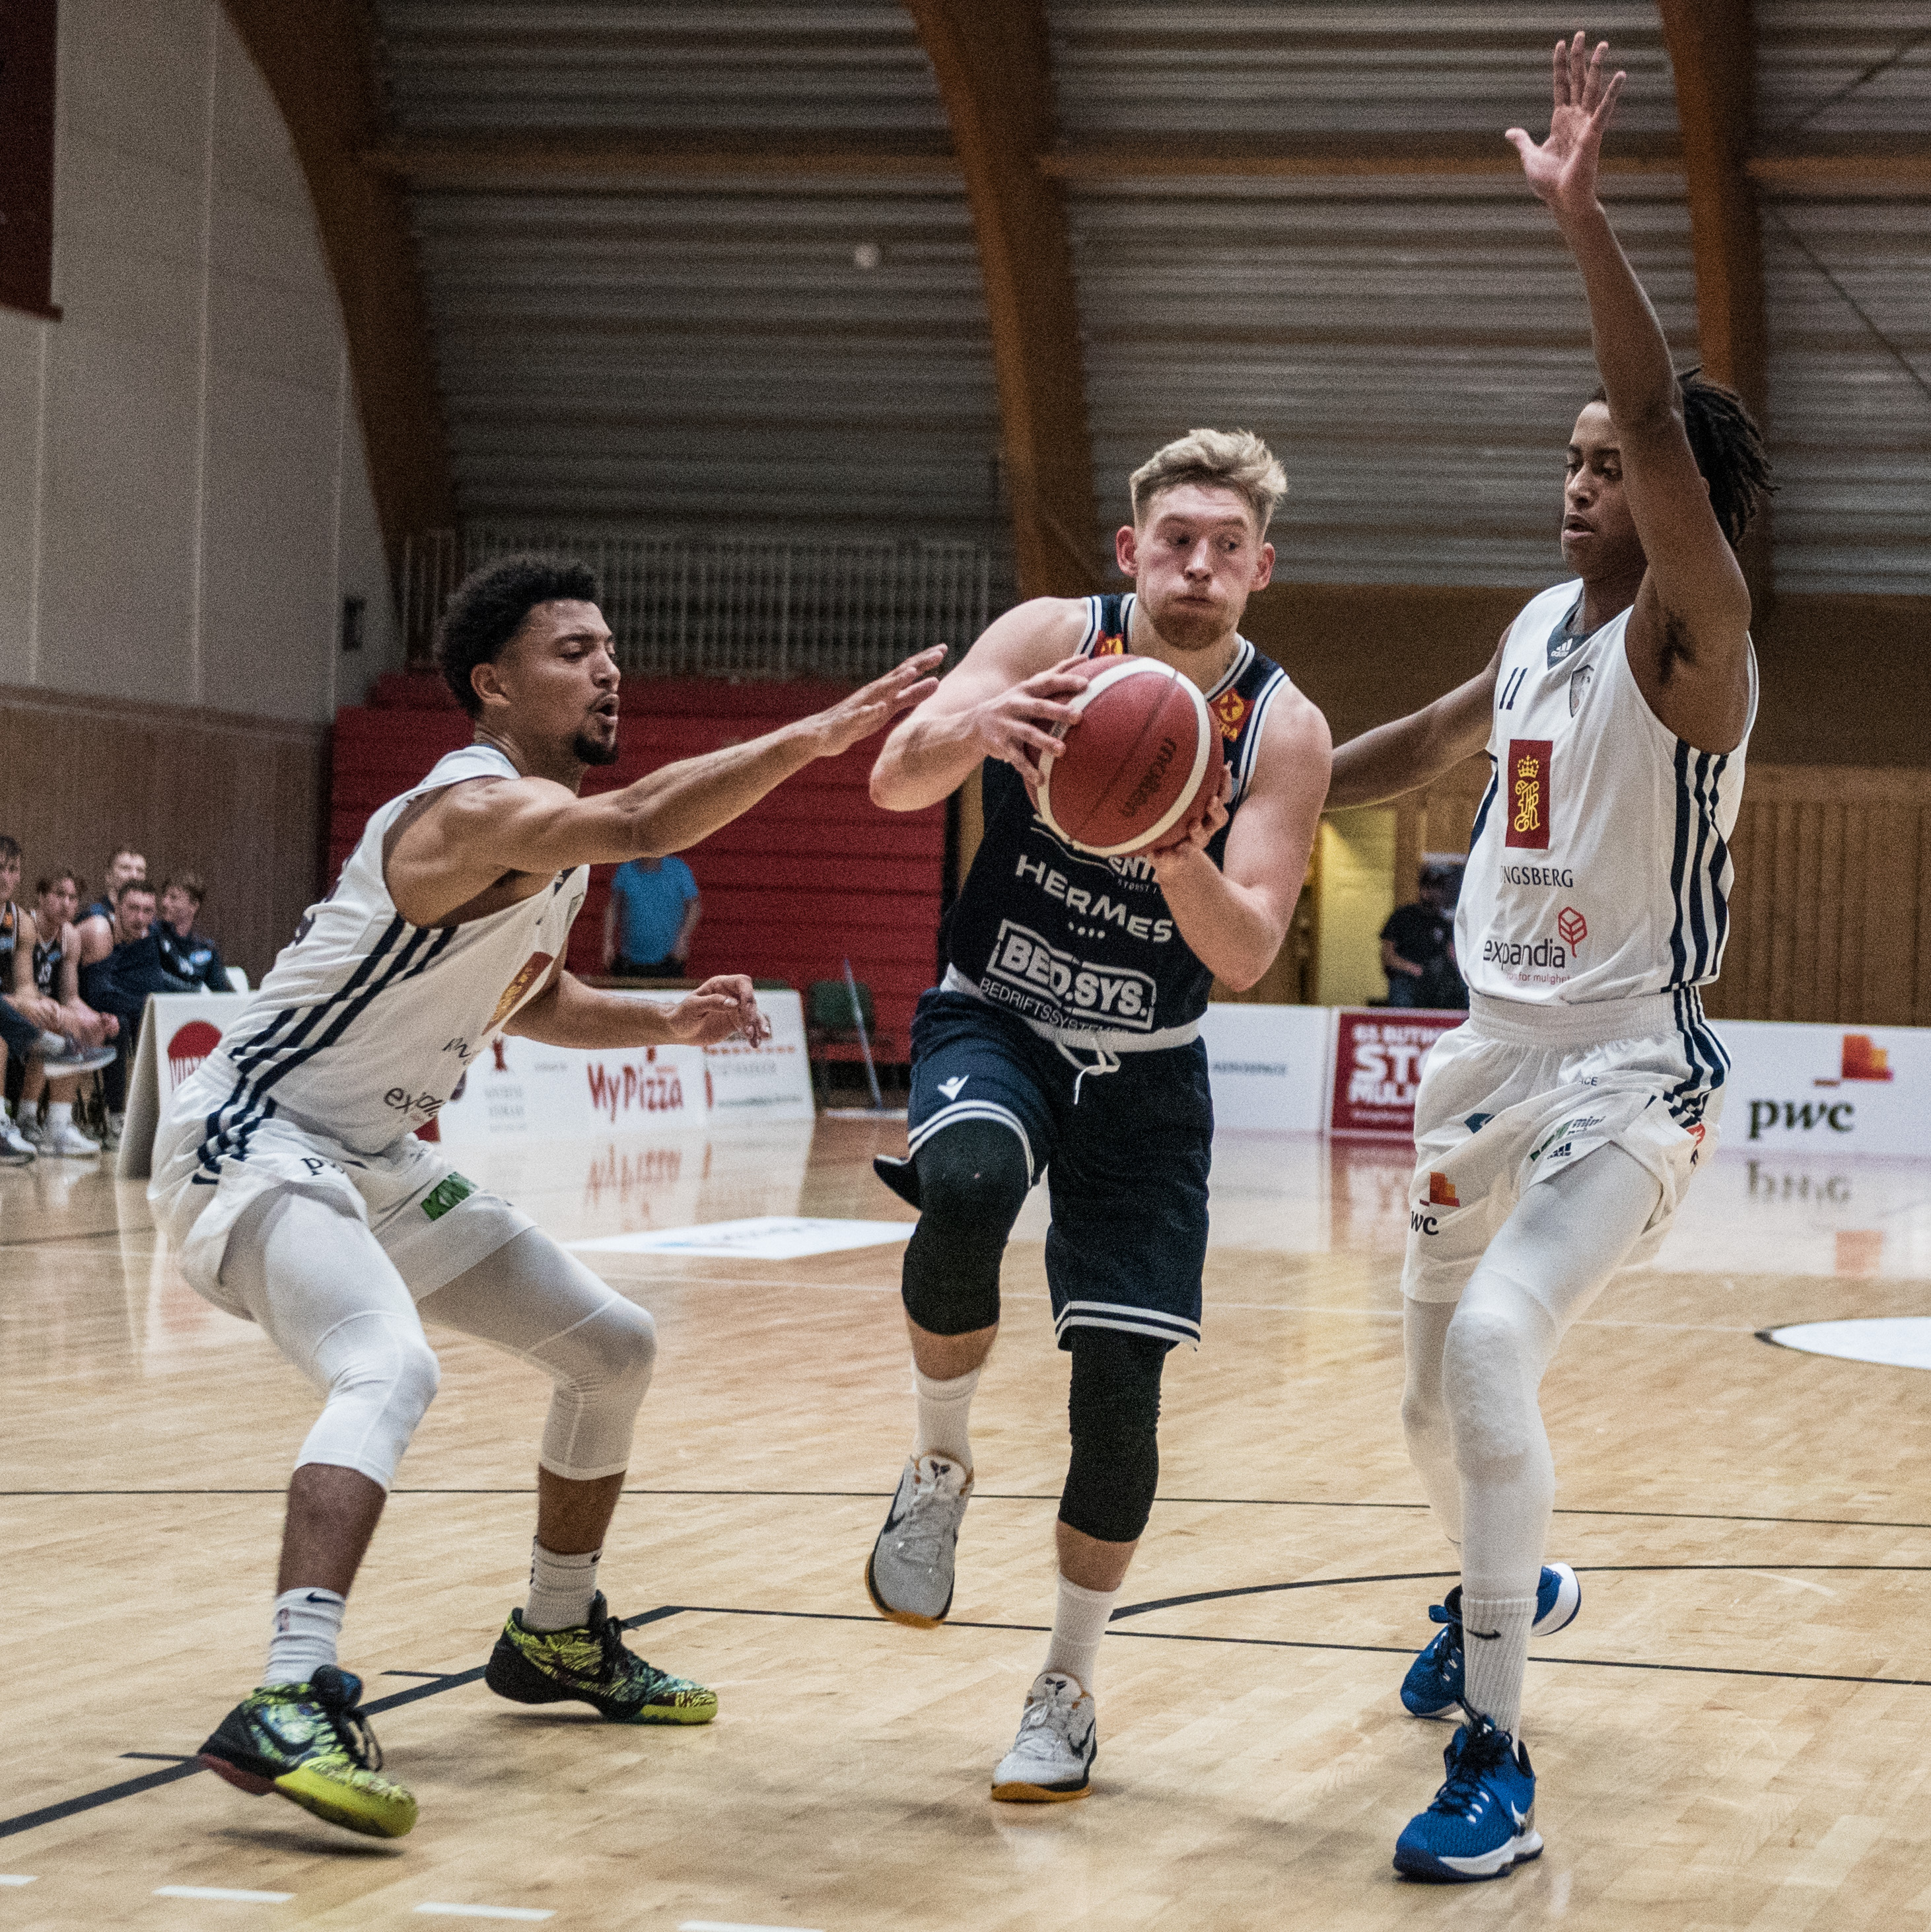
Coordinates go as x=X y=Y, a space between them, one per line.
x=598 y=1349
x=381 y=1375
x=317 y=1281
x=1425 y=1424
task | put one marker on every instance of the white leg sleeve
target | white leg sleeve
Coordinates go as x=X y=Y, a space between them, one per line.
x=1424 y=1412
x=327 y=1296
x=535 y=1300
x=1549 y=1261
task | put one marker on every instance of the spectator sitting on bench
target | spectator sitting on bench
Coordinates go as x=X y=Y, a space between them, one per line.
x=46 y=991
x=125 y=864
x=187 y=954
x=120 y=966
x=653 y=908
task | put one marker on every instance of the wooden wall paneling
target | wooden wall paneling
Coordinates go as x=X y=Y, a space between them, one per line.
x=1921 y=995
x=239 y=799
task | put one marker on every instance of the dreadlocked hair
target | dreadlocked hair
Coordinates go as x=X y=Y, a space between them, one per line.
x=1729 y=448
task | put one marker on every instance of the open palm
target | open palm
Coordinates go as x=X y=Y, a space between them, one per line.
x=1562 y=169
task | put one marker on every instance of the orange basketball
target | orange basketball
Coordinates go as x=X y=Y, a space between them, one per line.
x=1142 y=761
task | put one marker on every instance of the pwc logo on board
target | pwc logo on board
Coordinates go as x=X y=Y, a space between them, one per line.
x=1860 y=1061
x=1863 y=1059
x=191 y=1044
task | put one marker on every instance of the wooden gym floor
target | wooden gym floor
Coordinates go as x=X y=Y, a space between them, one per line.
x=1735 y=1733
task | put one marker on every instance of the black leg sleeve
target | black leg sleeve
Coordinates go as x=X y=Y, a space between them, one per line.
x=1113 y=1406
x=972 y=1183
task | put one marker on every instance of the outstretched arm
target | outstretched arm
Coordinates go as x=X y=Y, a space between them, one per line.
x=1689 y=634
x=567 y=1013
x=1417 y=749
x=468 y=837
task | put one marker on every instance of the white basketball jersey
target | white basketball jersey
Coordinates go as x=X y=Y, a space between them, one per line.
x=366 y=1023
x=1599 y=866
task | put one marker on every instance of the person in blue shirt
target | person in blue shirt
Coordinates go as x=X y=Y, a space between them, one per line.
x=187 y=954
x=653 y=908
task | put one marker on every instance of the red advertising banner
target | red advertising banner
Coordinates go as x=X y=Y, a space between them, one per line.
x=1378 y=1052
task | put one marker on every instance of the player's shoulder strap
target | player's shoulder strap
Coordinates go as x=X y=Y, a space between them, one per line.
x=1240 y=703
x=1109 y=618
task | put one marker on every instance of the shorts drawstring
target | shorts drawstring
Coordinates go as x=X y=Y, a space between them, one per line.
x=1105 y=1062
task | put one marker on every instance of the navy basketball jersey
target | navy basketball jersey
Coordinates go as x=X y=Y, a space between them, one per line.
x=1077 y=945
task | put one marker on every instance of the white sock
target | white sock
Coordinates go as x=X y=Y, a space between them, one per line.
x=560 y=1589
x=1495 y=1649
x=60 y=1114
x=1079 y=1622
x=941 y=1411
x=308 y=1626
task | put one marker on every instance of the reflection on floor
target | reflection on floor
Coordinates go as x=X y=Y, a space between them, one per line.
x=1735 y=1732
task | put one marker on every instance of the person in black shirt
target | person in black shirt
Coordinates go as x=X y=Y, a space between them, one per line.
x=1418 y=944
x=120 y=965
x=184 y=952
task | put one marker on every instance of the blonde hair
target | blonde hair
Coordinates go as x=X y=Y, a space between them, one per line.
x=1217 y=459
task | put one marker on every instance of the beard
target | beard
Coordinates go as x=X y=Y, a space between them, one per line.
x=587 y=751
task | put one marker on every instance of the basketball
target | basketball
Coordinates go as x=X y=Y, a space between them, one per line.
x=1144 y=759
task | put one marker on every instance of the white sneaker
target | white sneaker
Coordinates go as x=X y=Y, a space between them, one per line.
x=909 y=1573
x=73 y=1057
x=67 y=1139
x=1058 y=1740
x=30 y=1130
x=14 y=1150
x=110 y=1138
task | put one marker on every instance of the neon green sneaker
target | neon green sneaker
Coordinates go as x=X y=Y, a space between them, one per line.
x=588 y=1663
x=310 y=1743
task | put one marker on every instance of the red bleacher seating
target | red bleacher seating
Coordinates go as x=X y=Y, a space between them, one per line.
x=813 y=874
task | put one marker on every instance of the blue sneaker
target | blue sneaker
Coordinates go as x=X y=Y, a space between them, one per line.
x=1482 y=1823
x=1432 y=1688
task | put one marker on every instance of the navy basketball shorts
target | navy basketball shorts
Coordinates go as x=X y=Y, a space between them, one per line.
x=1125 y=1145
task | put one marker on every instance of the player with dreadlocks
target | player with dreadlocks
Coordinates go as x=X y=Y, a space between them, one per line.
x=1556 y=1130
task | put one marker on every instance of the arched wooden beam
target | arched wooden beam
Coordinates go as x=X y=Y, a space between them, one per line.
x=1713 y=49
x=318 y=65
x=990 y=59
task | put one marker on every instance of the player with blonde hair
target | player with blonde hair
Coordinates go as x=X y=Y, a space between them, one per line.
x=1104 y=1094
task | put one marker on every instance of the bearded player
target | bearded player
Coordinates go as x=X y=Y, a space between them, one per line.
x=1556 y=1130
x=292 y=1187
x=1063 y=1040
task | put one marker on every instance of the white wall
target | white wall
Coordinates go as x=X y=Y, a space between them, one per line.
x=184 y=501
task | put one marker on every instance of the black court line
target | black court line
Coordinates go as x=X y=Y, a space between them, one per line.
x=1016 y=1496
x=152 y=1780
x=56 y=1241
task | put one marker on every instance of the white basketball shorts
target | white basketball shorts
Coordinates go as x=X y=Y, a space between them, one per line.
x=432 y=1223
x=1518 y=1093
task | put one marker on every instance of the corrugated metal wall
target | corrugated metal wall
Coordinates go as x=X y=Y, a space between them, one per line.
x=784 y=356
x=1849 y=291
x=1414 y=347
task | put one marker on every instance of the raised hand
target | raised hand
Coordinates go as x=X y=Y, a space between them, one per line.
x=718 y=1009
x=1562 y=169
x=873 y=705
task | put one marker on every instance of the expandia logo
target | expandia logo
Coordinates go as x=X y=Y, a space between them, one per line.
x=1571 y=927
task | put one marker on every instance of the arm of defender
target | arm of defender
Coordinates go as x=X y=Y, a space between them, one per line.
x=1688 y=638
x=474 y=833
x=568 y=1013
x=1236 y=919
x=1416 y=750
x=1001 y=703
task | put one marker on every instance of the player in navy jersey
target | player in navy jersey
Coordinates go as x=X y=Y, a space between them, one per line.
x=1063 y=1041
x=1556 y=1130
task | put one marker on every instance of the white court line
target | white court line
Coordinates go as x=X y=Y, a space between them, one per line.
x=215 y=1891
x=1795 y=1583
x=17 y=1878
x=731 y=1925
x=528 y=1912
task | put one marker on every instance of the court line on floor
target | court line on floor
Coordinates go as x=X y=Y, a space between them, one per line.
x=152 y=1780
x=1021 y=1496
x=438 y=1683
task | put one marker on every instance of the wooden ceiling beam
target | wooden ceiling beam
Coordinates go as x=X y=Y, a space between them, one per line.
x=1325 y=155
x=1713 y=50
x=991 y=62
x=318 y=65
x=517 y=160
x=1882 y=165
